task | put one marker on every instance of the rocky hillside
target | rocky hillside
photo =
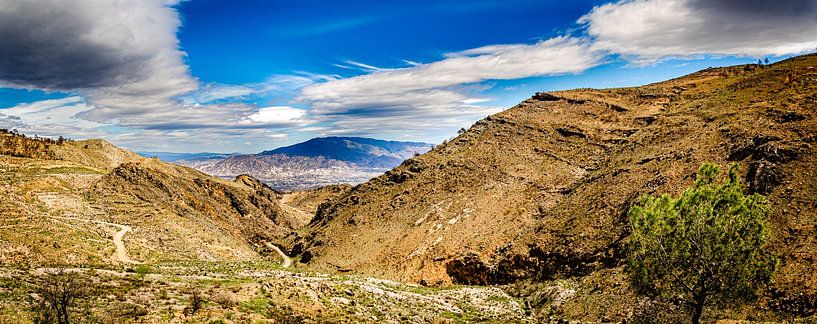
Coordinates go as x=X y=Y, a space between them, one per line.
x=138 y=240
x=60 y=202
x=315 y=163
x=540 y=191
x=97 y=154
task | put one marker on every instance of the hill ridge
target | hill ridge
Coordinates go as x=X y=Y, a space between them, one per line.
x=540 y=191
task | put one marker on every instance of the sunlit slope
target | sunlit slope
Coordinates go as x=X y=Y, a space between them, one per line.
x=63 y=202
x=541 y=190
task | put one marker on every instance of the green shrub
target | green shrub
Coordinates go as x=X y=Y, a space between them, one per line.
x=705 y=246
x=142 y=270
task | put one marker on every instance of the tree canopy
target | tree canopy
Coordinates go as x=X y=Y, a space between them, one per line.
x=705 y=246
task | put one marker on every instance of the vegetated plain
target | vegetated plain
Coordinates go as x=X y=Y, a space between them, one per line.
x=520 y=218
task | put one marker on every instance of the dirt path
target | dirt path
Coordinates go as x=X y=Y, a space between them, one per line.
x=287 y=261
x=121 y=253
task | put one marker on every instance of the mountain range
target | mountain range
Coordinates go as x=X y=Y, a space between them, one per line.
x=174 y=157
x=311 y=164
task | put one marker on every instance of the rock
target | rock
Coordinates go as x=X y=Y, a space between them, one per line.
x=306 y=257
x=617 y=108
x=544 y=96
x=570 y=131
x=763 y=147
x=763 y=176
x=785 y=116
x=340 y=300
x=646 y=120
x=469 y=269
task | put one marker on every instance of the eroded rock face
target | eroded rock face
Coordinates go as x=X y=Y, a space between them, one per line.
x=469 y=269
x=767 y=147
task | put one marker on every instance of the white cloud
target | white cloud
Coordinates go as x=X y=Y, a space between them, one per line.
x=278 y=115
x=430 y=83
x=275 y=85
x=438 y=94
x=649 y=30
x=122 y=56
x=364 y=66
x=55 y=117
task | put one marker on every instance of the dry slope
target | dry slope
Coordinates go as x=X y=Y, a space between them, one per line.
x=63 y=202
x=541 y=190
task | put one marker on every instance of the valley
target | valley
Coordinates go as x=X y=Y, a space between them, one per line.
x=520 y=218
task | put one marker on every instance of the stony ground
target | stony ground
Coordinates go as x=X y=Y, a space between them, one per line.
x=252 y=292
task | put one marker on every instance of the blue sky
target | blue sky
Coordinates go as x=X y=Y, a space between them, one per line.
x=278 y=37
x=251 y=75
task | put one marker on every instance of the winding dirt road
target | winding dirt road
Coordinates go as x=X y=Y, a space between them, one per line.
x=287 y=261
x=121 y=252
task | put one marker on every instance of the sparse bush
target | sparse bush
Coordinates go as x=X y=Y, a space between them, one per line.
x=58 y=294
x=142 y=270
x=197 y=302
x=130 y=310
x=705 y=246
x=284 y=314
x=225 y=299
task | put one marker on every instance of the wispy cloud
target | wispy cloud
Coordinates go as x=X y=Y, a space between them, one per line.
x=276 y=85
x=324 y=28
x=55 y=117
x=430 y=95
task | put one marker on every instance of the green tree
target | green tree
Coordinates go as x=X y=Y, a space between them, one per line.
x=705 y=246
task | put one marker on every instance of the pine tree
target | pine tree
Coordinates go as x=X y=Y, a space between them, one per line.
x=706 y=245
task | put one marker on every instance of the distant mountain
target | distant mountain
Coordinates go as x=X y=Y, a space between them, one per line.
x=314 y=163
x=357 y=150
x=173 y=157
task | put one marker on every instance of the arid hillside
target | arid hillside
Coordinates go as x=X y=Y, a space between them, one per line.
x=540 y=191
x=136 y=240
x=62 y=202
